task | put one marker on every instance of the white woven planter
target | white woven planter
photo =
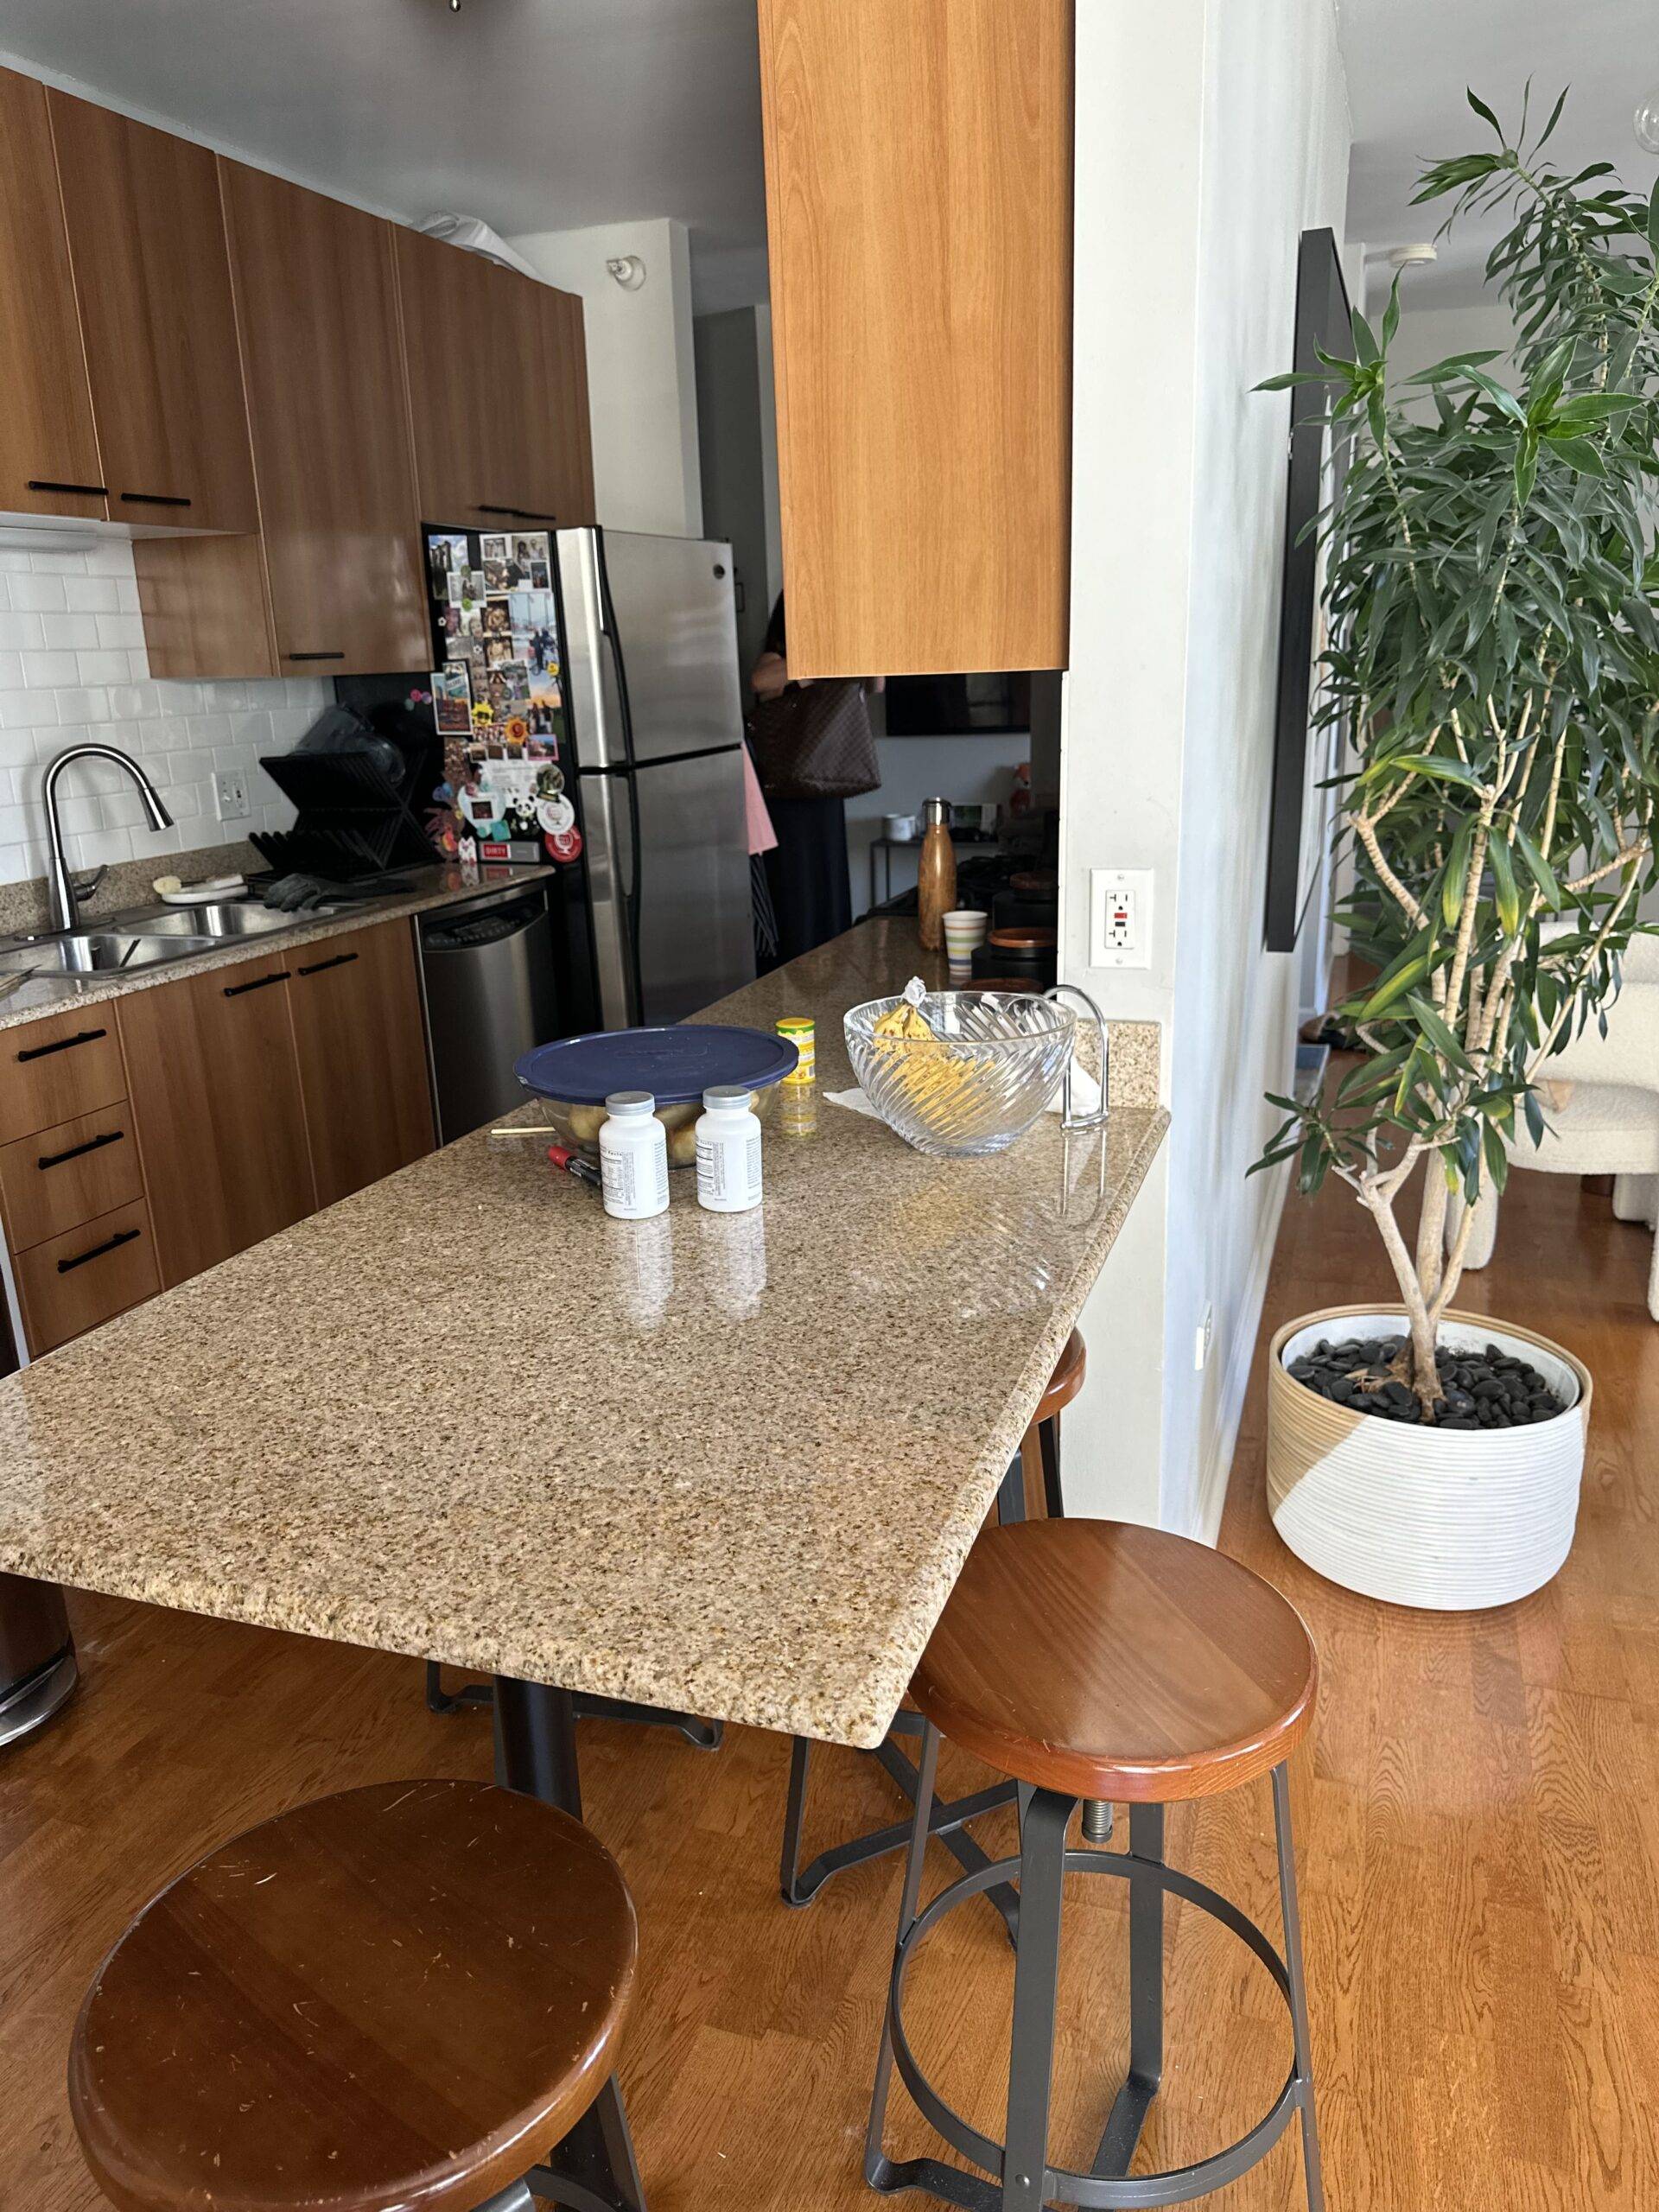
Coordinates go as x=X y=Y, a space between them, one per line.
x=1454 y=1519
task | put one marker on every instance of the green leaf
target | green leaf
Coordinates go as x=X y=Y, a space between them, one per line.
x=1398 y=980
x=1526 y=468
x=1577 y=453
x=1554 y=117
x=1482 y=110
x=1497 y=1160
x=1542 y=873
x=1438 y=1034
x=1455 y=880
x=1366 y=345
x=1391 y=313
x=1500 y=395
x=1653 y=218
x=1509 y=894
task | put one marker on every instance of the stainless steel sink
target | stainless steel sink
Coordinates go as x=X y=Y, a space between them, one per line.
x=99 y=952
x=215 y=919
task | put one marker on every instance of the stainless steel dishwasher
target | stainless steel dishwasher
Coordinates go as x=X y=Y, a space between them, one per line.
x=488 y=979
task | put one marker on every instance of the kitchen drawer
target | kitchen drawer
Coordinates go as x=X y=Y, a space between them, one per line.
x=89 y=1274
x=62 y=1176
x=54 y=1069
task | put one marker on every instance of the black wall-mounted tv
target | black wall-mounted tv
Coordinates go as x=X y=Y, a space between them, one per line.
x=958 y=706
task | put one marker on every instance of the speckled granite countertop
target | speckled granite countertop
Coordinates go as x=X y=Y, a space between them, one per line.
x=727 y=1463
x=440 y=884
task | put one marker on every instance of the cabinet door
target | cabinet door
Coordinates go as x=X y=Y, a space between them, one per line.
x=356 y=1009
x=564 y=355
x=215 y=1093
x=49 y=448
x=316 y=301
x=153 y=279
x=919 y=200
x=495 y=449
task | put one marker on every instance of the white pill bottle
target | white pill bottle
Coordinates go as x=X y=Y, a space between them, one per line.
x=728 y=1151
x=633 y=1157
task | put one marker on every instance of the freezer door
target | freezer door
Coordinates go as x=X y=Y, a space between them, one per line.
x=696 y=933
x=676 y=631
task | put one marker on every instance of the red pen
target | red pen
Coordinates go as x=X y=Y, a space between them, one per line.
x=574 y=1164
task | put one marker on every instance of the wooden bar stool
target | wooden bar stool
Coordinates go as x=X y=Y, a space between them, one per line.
x=1089 y=1659
x=401 y=1999
x=801 y=1885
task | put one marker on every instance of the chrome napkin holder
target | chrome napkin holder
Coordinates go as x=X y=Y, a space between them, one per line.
x=1099 y=1118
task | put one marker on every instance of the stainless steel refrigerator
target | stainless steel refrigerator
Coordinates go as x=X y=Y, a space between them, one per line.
x=656 y=719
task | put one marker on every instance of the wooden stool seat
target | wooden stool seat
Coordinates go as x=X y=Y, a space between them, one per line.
x=1106 y=1660
x=403 y=1996
x=1064 y=1382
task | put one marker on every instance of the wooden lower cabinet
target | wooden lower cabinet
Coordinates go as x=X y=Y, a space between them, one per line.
x=215 y=1092
x=361 y=1046
x=88 y=1274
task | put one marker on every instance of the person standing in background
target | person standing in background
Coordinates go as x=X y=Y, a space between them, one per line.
x=814 y=749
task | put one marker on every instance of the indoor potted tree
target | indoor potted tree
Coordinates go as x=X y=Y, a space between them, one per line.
x=1492 y=585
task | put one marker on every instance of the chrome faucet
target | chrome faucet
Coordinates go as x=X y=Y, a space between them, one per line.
x=66 y=912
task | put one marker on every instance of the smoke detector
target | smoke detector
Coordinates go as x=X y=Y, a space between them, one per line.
x=1412 y=257
x=628 y=270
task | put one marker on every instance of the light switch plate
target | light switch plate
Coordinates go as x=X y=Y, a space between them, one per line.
x=1120 y=918
x=231 y=794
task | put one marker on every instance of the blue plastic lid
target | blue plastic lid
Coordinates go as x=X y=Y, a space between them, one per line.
x=675 y=1063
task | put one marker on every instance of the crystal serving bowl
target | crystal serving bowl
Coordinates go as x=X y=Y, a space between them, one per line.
x=995 y=1062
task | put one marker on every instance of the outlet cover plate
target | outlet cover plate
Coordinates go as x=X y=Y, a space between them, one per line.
x=1120 y=918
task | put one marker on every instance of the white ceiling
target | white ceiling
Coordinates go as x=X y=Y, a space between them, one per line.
x=1408 y=62
x=535 y=114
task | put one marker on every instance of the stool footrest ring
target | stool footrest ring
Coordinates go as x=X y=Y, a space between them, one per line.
x=1091 y=2192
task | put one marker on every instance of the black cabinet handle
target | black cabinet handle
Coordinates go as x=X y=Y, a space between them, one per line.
x=340 y=960
x=111 y=1244
x=519 y=514
x=338 y=655
x=89 y=491
x=236 y=990
x=63 y=1044
x=92 y=1144
x=153 y=500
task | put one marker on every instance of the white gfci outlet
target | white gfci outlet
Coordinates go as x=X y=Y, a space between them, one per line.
x=1120 y=918
x=1202 y=1340
x=231 y=794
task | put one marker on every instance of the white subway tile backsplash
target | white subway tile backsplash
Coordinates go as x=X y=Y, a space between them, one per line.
x=73 y=666
x=92 y=595
x=47 y=671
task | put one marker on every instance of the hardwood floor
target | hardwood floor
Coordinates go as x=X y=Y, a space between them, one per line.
x=1478 y=1812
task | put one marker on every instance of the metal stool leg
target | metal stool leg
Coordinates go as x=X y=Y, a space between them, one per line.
x=878 y=2169
x=1048 y=1443
x=1128 y=2113
x=1036 y=1977
x=1293 y=1920
x=1011 y=1493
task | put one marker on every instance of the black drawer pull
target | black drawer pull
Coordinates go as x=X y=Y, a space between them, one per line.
x=109 y=1244
x=236 y=990
x=92 y=1144
x=485 y=510
x=154 y=500
x=64 y=1044
x=338 y=655
x=340 y=960
x=88 y=491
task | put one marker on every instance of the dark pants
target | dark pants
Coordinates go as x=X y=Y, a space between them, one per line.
x=811 y=887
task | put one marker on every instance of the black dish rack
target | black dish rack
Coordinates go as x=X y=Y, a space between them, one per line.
x=354 y=820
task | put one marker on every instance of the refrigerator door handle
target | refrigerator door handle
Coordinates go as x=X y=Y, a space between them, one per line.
x=609 y=632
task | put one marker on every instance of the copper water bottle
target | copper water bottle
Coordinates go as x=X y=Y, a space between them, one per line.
x=936 y=880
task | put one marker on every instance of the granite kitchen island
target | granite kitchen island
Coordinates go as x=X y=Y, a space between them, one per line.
x=730 y=1465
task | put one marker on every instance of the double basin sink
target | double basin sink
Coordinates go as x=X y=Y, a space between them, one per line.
x=145 y=938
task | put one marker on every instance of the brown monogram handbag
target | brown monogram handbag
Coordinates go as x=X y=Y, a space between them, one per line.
x=814 y=741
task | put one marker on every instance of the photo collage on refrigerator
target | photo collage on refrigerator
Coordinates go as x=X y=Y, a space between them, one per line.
x=498 y=696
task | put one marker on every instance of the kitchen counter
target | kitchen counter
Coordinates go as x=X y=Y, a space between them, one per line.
x=729 y=1464
x=443 y=884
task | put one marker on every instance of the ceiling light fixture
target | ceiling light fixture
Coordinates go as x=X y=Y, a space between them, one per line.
x=628 y=270
x=1412 y=257
x=1647 y=122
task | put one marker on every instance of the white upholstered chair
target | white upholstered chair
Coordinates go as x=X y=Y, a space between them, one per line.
x=1600 y=1096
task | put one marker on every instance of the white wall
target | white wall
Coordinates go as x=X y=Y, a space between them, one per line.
x=72 y=666
x=642 y=384
x=1240 y=116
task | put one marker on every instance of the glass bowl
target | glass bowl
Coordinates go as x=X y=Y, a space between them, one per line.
x=994 y=1064
x=579 y=1126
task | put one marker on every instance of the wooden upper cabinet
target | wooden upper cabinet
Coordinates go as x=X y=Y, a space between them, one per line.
x=355 y=1003
x=153 y=277
x=918 y=187
x=48 y=447
x=506 y=448
x=321 y=351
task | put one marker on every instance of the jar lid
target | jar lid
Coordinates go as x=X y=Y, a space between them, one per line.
x=727 y=1097
x=627 y=1103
